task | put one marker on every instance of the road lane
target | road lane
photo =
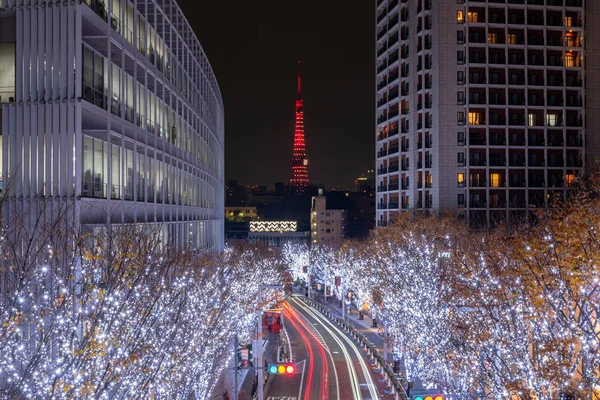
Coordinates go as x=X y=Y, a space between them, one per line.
x=357 y=374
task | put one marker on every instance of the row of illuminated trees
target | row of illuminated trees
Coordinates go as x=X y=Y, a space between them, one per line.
x=115 y=313
x=508 y=312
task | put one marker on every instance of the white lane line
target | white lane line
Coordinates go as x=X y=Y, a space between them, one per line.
x=337 y=381
x=354 y=384
x=365 y=369
x=301 y=379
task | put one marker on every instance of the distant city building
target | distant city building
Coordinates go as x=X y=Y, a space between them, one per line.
x=277 y=233
x=299 y=180
x=235 y=194
x=326 y=225
x=366 y=182
x=481 y=105
x=241 y=214
x=113 y=108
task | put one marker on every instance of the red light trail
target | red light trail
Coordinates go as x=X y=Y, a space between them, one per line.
x=293 y=317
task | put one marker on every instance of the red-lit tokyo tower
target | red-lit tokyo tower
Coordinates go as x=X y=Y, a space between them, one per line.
x=299 y=180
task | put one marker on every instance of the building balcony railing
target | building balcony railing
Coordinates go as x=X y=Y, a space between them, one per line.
x=94 y=96
x=393 y=204
x=393 y=186
x=98 y=7
x=382 y=206
x=393 y=168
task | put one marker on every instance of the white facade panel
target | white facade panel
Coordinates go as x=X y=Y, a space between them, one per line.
x=105 y=113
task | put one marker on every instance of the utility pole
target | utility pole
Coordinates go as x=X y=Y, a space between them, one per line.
x=259 y=353
x=235 y=367
x=343 y=301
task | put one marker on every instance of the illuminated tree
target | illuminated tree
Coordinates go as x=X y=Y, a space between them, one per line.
x=117 y=314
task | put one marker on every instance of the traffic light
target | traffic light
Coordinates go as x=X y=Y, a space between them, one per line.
x=282 y=369
x=426 y=395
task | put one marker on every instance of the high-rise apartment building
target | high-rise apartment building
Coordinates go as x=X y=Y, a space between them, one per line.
x=112 y=106
x=480 y=104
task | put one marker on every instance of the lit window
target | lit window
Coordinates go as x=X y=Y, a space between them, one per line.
x=460 y=16
x=568 y=21
x=531 y=120
x=431 y=179
x=474 y=118
x=569 y=60
x=460 y=118
x=569 y=179
x=460 y=179
x=511 y=38
x=473 y=16
x=552 y=120
x=495 y=180
x=492 y=38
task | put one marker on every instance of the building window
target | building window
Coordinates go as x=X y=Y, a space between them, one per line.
x=461 y=199
x=460 y=138
x=551 y=119
x=460 y=16
x=568 y=21
x=492 y=38
x=495 y=180
x=569 y=60
x=460 y=37
x=95 y=167
x=94 y=70
x=570 y=179
x=461 y=159
x=460 y=179
x=460 y=118
x=460 y=77
x=460 y=98
x=474 y=118
x=511 y=38
x=460 y=57
x=531 y=120
x=473 y=16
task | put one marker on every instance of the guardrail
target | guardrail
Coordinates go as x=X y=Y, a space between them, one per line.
x=382 y=367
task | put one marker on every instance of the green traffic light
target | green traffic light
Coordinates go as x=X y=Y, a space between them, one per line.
x=418 y=398
x=273 y=369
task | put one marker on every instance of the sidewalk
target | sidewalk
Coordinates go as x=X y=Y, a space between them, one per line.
x=225 y=382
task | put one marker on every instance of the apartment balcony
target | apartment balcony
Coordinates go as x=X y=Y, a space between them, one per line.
x=382 y=206
x=381 y=153
x=382 y=188
x=393 y=186
x=393 y=205
x=382 y=170
x=393 y=168
x=393 y=150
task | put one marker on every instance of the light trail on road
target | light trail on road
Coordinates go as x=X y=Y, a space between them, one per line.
x=351 y=370
x=296 y=320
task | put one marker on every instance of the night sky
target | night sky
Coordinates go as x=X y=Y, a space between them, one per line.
x=253 y=47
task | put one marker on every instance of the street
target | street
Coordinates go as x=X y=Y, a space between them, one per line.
x=329 y=364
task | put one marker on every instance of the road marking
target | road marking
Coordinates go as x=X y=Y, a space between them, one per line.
x=365 y=369
x=301 y=379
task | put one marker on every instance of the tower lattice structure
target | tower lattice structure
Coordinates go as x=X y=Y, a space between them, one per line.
x=299 y=180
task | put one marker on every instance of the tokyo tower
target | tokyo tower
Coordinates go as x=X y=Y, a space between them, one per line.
x=299 y=179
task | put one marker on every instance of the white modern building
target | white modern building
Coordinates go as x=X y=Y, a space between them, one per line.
x=481 y=105
x=113 y=105
x=327 y=226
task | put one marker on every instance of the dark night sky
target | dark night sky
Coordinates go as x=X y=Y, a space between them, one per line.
x=253 y=47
